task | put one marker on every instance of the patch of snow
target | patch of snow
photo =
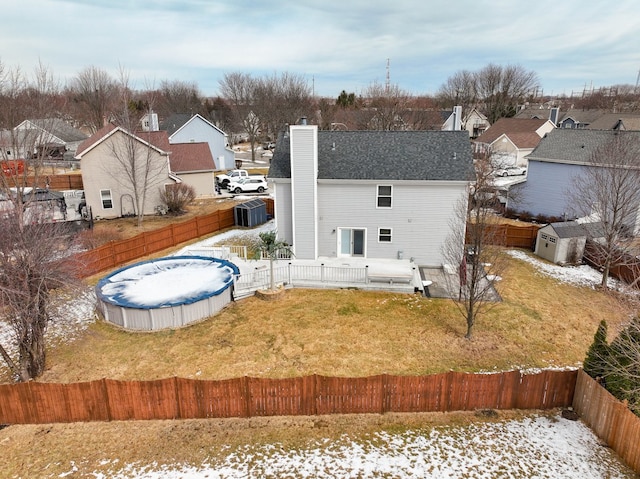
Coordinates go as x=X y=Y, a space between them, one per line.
x=537 y=446
x=582 y=275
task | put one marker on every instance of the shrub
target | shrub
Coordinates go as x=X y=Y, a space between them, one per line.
x=595 y=364
x=177 y=197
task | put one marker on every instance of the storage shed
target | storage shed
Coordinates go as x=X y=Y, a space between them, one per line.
x=564 y=242
x=250 y=213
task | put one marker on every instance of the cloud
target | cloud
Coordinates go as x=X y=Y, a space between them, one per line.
x=337 y=44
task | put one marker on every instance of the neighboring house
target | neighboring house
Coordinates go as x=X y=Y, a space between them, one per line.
x=475 y=123
x=564 y=242
x=195 y=129
x=616 y=121
x=54 y=136
x=107 y=184
x=193 y=164
x=578 y=119
x=454 y=120
x=536 y=112
x=370 y=194
x=510 y=140
x=561 y=156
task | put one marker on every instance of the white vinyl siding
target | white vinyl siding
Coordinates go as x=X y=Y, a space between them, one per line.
x=304 y=167
x=420 y=220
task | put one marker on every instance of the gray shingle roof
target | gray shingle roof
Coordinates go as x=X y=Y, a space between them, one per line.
x=573 y=145
x=61 y=129
x=175 y=122
x=573 y=229
x=385 y=155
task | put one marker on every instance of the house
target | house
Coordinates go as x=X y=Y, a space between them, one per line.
x=578 y=118
x=616 y=121
x=105 y=160
x=539 y=112
x=475 y=123
x=564 y=242
x=196 y=129
x=193 y=164
x=561 y=156
x=54 y=137
x=369 y=194
x=510 y=140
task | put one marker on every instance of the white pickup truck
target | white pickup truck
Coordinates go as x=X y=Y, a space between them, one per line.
x=224 y=179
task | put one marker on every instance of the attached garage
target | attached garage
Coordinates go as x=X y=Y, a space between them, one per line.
x=564 y=242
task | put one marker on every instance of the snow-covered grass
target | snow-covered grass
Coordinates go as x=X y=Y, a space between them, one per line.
x=582 y=275
x=532 y=447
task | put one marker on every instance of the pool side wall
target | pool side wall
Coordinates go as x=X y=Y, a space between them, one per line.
x=169 y=317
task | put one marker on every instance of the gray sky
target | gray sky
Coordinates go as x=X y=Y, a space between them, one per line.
x=336 y=44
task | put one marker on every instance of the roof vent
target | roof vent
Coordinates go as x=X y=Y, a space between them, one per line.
x=303 y=120
x=333 y=146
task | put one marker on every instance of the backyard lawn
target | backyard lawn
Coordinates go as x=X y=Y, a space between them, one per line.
x=541 y=322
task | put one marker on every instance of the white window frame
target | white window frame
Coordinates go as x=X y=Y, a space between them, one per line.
x=380 y=196
x=103 y=198
x=381 y=235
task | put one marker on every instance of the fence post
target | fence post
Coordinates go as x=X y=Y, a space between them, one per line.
x=105 y=389
x=289 y=274
x=322 y=272
x=366 y=274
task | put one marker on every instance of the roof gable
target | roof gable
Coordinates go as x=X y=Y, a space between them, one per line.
x=156 y=139
x=385 y=155
x=177 y=122
x=522 y=128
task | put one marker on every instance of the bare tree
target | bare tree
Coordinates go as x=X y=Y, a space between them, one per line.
x=138 y=164
x=218 y=112
x=459 y=90
x=179 y=97
x=238 y=89
x=30 y=245
x=386 y=108
x=495 y=89
x=95 y=93
x=31 y=269
x=473 y=250
x=608 y=191
x=281 y=99
x=500 y=89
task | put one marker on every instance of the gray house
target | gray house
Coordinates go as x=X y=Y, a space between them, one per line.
x=564 y=242
x=370 y=194
x=184 y=128
x=561 y=156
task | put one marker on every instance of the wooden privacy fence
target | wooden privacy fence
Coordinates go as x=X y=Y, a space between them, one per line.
x=512 y=236
x=55 y=182
x=626 y=266
x=609 y=418
x=177 y=398
x=117 y=253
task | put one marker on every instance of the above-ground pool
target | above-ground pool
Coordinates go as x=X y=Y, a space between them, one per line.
x=167 y=292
